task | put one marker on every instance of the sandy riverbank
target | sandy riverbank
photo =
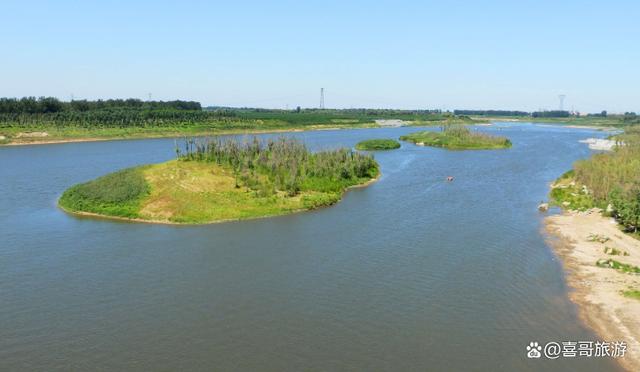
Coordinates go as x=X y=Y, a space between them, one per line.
x=597 y=291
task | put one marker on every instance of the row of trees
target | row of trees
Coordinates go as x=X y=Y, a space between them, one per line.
x=47 y=105
x=491 y=112
x=602 y=114
x=283 y=165
x=551 y=114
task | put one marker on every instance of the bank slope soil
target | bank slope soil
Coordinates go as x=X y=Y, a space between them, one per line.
x=457 y=137
x=599 y=260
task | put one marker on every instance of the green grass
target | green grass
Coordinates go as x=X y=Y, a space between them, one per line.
x=622 y=267
x=117 y=194
x=632 y=293
x=456 y=137
x=377 y=144
x=589 y=121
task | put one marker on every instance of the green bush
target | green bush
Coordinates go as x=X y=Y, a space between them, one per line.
x=116 y=194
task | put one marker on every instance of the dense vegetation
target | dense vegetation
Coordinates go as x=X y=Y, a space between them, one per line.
x=284 y=165
x=29 y=119
x=116 y=194
x=457 y=137
x=377 y=144
x=326 y=116
x=559 y=116
x=47 y=105
x=607 y=178
x=216 y=180
x=23 y=119
x=491 y=113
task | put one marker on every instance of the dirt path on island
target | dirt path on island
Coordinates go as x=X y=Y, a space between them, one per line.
x=597 y=291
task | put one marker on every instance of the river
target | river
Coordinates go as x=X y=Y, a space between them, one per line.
x=410 y=273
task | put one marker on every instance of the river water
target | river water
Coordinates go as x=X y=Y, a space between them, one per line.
x=410 y=273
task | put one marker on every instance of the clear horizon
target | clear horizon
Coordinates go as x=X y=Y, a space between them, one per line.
x=406 y=55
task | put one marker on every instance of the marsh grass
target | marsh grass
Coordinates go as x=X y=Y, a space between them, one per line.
x=377 y=145
x=457 y=137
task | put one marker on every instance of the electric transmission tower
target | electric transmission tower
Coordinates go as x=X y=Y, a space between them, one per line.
x=321 y=98
x=561 y=97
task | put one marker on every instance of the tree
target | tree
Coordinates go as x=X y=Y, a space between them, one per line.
x=627 y=207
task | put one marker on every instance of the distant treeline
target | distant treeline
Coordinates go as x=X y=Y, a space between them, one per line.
x=491 y=113
x=342 y=116
x=47 y=112
x=350 y=111
x=550 y=114
x=32 y=112
x=535 y=114
x=48 y=105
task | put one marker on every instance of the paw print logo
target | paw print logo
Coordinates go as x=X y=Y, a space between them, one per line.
x=533 y=350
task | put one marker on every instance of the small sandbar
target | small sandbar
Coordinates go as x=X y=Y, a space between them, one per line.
x=601 y=144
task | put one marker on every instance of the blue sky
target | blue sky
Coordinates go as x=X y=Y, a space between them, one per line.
x=489 y=54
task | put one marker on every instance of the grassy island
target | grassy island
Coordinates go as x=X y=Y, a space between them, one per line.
x=457 y=137
x=215 y=180
x=377 y=144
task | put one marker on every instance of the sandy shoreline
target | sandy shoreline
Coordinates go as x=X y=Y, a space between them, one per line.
x=597 y=290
